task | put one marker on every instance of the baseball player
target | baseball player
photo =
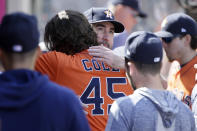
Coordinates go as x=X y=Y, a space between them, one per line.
x=29 y=101
x=150 y=107
x=179 y=36
x=104 y=38
x=103 y=23
x=68 y=35
x=125 y=11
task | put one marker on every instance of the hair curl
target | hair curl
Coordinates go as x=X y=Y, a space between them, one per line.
x=69 y=35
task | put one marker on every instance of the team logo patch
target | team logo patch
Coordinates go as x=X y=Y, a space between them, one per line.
x=156 y=59
x=187 y=100
x=108 y=14
x=183 y=30
x=17 y=48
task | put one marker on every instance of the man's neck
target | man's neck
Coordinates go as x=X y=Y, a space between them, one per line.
x=152 y=82
x=187 y=58
x=19 y=66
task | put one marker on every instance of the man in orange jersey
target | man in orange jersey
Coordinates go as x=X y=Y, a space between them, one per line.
x=68 y=35
x=179 y=36
x=103 y=23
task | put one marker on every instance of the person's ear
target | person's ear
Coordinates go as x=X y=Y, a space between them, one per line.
x=187 y=39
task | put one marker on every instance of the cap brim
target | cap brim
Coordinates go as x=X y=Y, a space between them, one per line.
x=118 y=27
x=142 y=14
x=163 y=34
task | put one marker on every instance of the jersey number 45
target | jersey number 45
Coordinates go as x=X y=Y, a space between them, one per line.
x=94 y=86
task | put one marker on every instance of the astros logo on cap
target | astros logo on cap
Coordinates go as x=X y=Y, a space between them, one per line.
x=108 y=14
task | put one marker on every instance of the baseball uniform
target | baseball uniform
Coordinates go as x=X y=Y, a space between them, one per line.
x=96 y=84
x=182 y=80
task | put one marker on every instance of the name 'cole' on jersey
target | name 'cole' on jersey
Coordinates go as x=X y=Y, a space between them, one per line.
x=97 y=84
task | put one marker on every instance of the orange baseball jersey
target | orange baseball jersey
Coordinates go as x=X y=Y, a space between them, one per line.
x=97 y=84
x=182 y=80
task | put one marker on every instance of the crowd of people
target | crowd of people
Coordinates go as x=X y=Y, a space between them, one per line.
x=96 y=73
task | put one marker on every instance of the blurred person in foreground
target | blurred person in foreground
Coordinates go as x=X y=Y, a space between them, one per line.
x=29 y=101
x=179 y=38
x=150 y=107
x=68 y=35
x=126 y=12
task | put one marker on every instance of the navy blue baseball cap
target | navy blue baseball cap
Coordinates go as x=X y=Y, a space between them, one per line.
x=96 y=15
x=19 y=32
x=177 y=24
x=144 y=47
x=134 y=4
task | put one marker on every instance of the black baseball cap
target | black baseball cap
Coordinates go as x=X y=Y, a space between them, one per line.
x=144 y=47
x=177 y=24
x=97 y=14
x=19 y=32
x=134 y=4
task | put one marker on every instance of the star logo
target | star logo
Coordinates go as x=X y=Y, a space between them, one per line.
x=108 y=14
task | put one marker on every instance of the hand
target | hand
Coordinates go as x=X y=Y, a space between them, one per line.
x=106 y=55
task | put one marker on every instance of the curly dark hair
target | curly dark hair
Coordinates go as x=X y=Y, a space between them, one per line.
x=70 y=35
